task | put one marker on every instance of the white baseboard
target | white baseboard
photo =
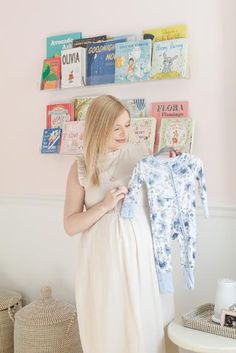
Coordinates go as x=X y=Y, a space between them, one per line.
x=228 y=211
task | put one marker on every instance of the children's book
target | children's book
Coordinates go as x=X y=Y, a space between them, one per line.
x=133 y=61
x=73 y=67
x=169 y=59
x=81 y=105
x=59 y=113
x=177 y=133
x=136 y=107
x=85 y=41
x=55 y=44
x=161 y=110
x=169 y=109
x=72 y=137
x=51 y=72
x=101 y=62
x=51 y=140
x=125 y=37
x=166 y=33
x=143 y=130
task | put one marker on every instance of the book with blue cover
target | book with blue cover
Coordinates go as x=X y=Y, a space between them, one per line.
x=101 y=62
x=51 y=140
x=170 y=59
x=55 y=44
x=126 y=37
x=133 y=61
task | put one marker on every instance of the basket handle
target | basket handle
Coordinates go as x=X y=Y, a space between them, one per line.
x=71 y=323
x=12 y=309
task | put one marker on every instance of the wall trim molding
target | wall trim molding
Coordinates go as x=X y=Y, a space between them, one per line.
x=24 y=198
x=224 y=211
x=58 y=200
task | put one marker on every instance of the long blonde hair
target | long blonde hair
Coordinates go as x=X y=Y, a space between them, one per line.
x=100 y=119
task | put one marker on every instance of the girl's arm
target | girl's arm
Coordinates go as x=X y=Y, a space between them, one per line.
x=75 y=220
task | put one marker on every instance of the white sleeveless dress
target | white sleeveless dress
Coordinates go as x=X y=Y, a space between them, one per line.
x=119 y=306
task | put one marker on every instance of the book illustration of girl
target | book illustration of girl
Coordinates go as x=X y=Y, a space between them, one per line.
x=130 y=69
x=71 y=76
x=175 y=138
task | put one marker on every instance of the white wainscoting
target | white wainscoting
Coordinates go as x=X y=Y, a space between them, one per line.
x=35 y=251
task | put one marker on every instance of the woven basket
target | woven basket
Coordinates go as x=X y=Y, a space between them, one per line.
x=10 y=302
x=47 y=325
x=200 y=319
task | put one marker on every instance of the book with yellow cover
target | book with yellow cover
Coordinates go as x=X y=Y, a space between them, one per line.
x=81 y=105
x=166 y=33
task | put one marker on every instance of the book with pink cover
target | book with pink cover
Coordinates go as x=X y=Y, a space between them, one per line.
x=169 y=109
x=177 y=133
x=161 y=110
x=59 y=113
x=143 y=130
x=72 y=138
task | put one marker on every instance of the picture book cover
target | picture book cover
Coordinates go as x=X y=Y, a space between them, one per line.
x=143 y=130
x=166 y=33
x=51 y=73
x=85 y=41
x=125 y=37
x=81 y=105
x=101 y=62
x=136 y=106
x=55 y=44
x=73 y=67
x=170 y=59
x=161 y=110
x=72 y=138
x=51 y=140
x=59 y=113
x=177 y=133
x=169 y=109
x=133 y=61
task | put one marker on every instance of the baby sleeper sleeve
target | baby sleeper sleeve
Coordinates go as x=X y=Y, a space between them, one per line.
x=131 y=200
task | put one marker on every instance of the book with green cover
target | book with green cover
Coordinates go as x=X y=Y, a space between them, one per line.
x=55 y=44
x=177 y=133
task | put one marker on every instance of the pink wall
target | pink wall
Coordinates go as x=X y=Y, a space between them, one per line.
x=210 y=90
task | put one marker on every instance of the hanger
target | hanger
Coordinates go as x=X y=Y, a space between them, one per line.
x=167 y=149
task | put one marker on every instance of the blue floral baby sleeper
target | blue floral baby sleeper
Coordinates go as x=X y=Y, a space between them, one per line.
x=171 y=188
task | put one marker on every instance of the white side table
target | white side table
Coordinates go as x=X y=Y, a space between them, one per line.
x=199 y=341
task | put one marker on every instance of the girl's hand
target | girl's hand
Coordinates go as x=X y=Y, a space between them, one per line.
x=113 y=197
x=173 y=154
